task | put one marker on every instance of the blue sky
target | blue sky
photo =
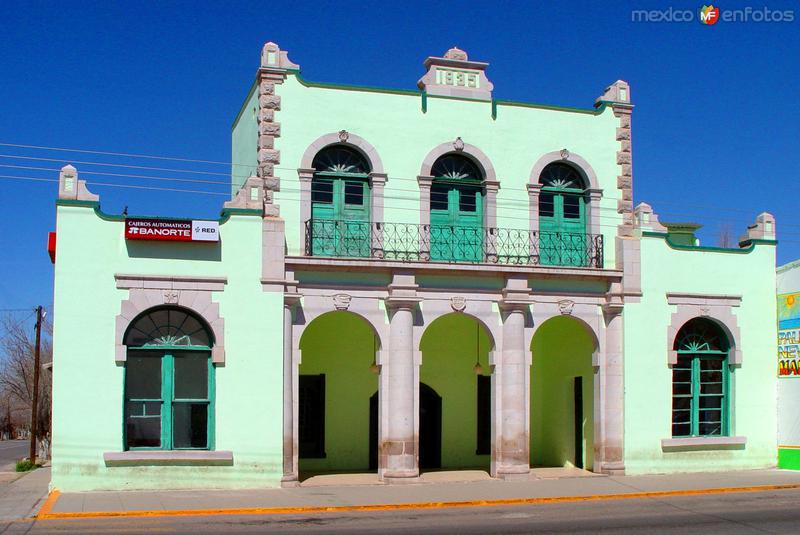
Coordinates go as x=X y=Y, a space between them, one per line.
x=715 y=131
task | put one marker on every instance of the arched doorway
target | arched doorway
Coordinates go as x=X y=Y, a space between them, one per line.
x=455 y=379
x=562 y=216
x=456 y=210
x=562 y=394
x=340 y=203
x=337 y=378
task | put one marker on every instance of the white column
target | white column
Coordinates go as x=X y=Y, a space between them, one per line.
x=510 y=453
x=609 y=458
x=290 y=380
x=399 y=443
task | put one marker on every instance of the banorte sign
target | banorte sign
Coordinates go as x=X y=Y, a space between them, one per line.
x=171 y=230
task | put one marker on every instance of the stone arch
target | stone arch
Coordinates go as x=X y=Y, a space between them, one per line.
x=349 y=140
x=338 y=375
x=490 y=182
x=455 y=361
x=471 y=151
x=481 y=323
x=717 y=308
x=364 y=319
x=564 y=355
x=574 y=160
x=593 y=191
x=726 y=323
x=197 y=302
x=585 y=325
x=305 y=173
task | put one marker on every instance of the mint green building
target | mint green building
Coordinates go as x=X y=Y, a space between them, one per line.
x=402 y=281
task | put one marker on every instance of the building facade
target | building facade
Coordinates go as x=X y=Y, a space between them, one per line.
x=788 y=368
x=406 y=281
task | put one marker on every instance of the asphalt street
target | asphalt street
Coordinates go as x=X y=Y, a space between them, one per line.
x=750 y=512
x=10 y=452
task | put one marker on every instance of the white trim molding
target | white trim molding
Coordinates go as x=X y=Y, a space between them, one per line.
x=703 y=443
x=190 y=293
x=717 y=308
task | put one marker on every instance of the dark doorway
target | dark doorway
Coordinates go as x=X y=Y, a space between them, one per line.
x=484 y=438
x=311 y=414
x=373 y=432
x=578 y=394
x=430 y=428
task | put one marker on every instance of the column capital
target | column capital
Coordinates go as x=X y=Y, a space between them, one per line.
x=402 y=302
x=514 y=305
x=305 y=174
x=594 y=194
x=491 y=185
x=378 y=178
x=424 y=181
x=291 y=299
x=533 y=189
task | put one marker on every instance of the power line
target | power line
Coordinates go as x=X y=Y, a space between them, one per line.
x=127 y=155
x=104 y=164
x=188 y=160
x=524 y=206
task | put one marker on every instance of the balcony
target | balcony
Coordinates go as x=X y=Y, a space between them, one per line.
x=408 y=242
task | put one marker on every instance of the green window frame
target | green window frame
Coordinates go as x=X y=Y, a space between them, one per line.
x=562 y=216
x=456 y=210
x=701 y=381
x=341 y=203
x=169 y=383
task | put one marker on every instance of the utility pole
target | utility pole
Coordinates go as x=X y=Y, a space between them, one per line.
x=35 y=404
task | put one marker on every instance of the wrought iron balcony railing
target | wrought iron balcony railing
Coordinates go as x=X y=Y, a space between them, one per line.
x=444 y=243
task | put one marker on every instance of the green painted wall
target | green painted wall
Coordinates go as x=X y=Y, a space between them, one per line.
x=342 y=346
x=403 y=135
x=789 y=458
x=562 y=350
x=648 y=378
x=88 y=384
x=244 y=141
x=449 y=348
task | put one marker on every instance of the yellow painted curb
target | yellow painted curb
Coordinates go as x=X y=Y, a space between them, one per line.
x=46 y=514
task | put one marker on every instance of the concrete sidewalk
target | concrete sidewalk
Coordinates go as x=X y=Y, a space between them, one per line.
x=425 y=494
x=22 y=495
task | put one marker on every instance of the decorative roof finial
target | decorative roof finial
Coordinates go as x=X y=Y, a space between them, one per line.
x=456 y=53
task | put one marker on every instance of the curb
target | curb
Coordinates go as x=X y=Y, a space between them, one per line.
x=46 y=511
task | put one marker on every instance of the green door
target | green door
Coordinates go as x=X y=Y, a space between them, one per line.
x=456 y=208
x=340 y=204
x=562 y=218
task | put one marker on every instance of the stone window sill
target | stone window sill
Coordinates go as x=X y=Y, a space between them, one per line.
x=703 y=443
x=168 y=458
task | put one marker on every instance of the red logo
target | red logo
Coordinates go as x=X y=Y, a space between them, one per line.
x=709 y=14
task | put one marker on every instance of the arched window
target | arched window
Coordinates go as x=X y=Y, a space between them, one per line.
x=562 y=216
x=340 y=203
x=700 y=380
x=456 y=210
x=169 y=381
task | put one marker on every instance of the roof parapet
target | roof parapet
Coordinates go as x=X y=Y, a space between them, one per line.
x=70 y=187
x=762 y=229
x=617 y=94
x=454 y=75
